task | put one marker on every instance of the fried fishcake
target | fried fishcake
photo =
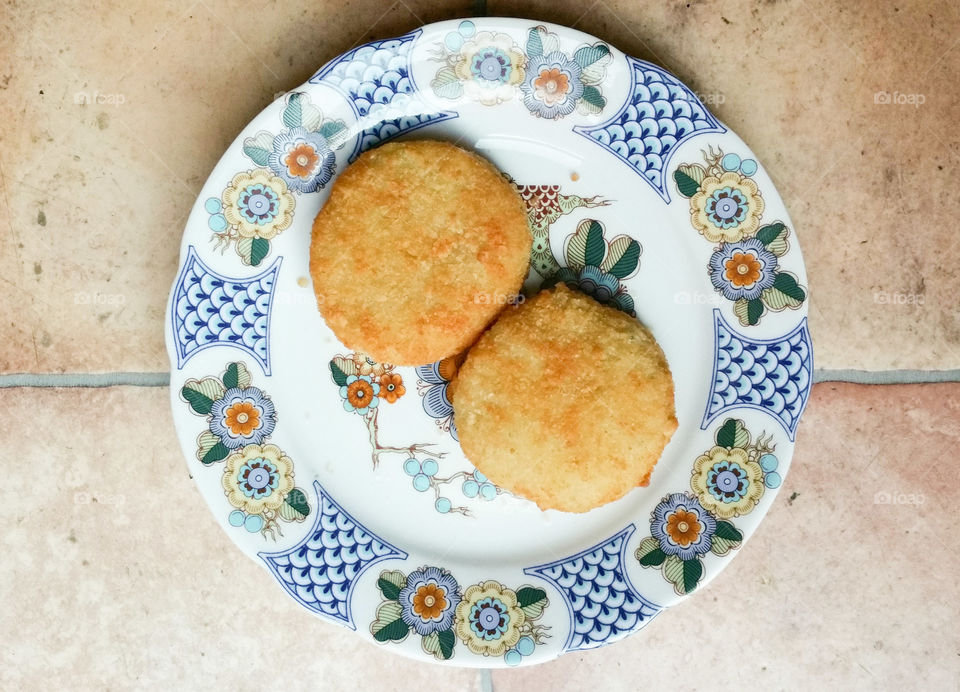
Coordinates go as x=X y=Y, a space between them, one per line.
x=419 y=246
x=565 y=401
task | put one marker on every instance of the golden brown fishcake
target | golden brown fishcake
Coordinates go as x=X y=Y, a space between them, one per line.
x=418 y=248
x=565 y=401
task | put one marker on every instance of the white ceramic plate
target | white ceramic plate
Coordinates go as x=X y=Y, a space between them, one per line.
x=344 y=478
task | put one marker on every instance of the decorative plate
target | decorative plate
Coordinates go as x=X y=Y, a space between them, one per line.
x=343 y=477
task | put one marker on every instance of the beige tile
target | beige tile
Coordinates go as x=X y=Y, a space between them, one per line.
x=94 y=197
x=116 y=576
x=869 y=186
x=837 y=590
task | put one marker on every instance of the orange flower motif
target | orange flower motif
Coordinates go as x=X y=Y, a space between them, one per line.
x=683 y=527
x=301 y=160
x=360 y=393
x=551 y=85
x=242 y=418
x=430 y=601
x=743 y=269
x=391 y=387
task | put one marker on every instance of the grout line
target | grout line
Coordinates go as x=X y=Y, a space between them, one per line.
x=162 y=379
x=486 y=680
x=103 y=379
x=886 y=376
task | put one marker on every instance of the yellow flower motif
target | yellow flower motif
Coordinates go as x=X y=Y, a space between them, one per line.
x=257 y=478
x=491 y=67
x=726 y=482
x=489 y=619
x=258 y=204
x=726 y=209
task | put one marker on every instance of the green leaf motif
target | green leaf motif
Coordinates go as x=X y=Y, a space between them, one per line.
x=390 y=590
x=446 y=639
x=446 y=84
x=787 y=284
x=673 y=572
x=647 y=546
x=692 y=571
x=231 y=378
x=201 y=394
x=688 y=186
x=393 y=631
x=396 y=581
x=654 y=558
x=774 y=236
x=733 y=433
x=769 y=233
x=389 y=625
x=295 y=506
x=592 y=96
x=721 y=546
x=754 y=311
x=534 y=44
x=627 y=264
x=244 y=249
x=258 y=155
x=528 y=594
x=339 y=377
x=587 y=55
x=336 y=133
x=727 y=434
x=595 y=247
x=218 y=452
x=293 y=113
x=210 y=448
x=728 y=531
x=259 y=248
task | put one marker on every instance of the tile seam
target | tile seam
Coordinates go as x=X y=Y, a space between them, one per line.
x=162 y=379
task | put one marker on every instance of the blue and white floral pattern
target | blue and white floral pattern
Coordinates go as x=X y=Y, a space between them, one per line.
x=743 y=270
x=304 y=159
x=682 y=526
x=429 y=600
x=239 y=410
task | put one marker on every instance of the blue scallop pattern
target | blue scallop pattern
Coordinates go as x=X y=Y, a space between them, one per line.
x=210 y=309
x=376 y=79
x=321 y=571
x=601 y=601
x=660 y=114
x=772 y=375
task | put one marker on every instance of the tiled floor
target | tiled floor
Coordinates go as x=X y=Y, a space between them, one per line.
x=94 y=196
x=105 y=589
x=835 y=590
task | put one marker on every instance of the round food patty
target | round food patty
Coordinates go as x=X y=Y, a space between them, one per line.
x=418 y=248
x=565 y=401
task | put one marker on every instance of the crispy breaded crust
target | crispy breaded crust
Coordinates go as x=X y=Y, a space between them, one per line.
x=418 y=248
x=565 y=401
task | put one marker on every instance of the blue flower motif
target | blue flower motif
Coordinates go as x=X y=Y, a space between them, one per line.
x=303 y=159
x=242 y=417
x=683 y=526
x=258 y=478
x=552 y=85
x=727 y=207
x=359 y=394
x=744 y=269
x=489 y=618
x=434 y=383
x=258 y=204
x=490 y=67
x=603 y=287
x=429 y=600
x=727 y=481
